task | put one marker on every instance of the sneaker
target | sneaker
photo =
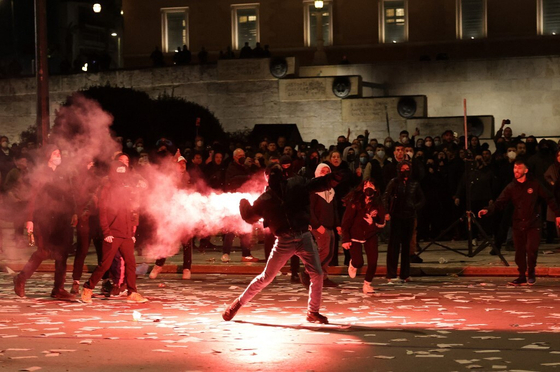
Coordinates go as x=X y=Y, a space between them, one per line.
x=19 y=286
x=62 y=294
x=367 y=288
x=329 y=283
x=107 y=288
x=118 y=291
x=305 y=279
x=225 y=257
x=394 y=281
x=352 y=271
x=518 y=281
x=249 y=259
x=315 y=317
x=532 y=280
x=155 y=271
x=414 y=258
x=75 y=287
x=406 y=280
x=186 y=274
x=136 y=298
x=231 y=310
x=86 y=295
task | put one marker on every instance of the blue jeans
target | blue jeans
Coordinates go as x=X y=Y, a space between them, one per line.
x=302 y=245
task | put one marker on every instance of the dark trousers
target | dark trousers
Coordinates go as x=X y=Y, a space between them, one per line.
x=187 y=254
x=45 y=250
x=372 y=252
x=126 y=248
x=245 y=243
x=87 y=231
x=399 y=244
x=526 y=244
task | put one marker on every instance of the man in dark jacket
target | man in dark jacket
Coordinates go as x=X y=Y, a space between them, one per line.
x=118 y=223
x=524 y=192
x=237 y=174
x=284 y=206
x=51 y=215
x=403 y=198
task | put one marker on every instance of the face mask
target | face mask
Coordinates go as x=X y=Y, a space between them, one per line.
x=241 y=160
x=405 y=174
x=370 y=191
x=512 y=155
x=428 y=143
x=381 y=154
x=410 y=154
x=199 y=143
x=363 y=160
x=350 y=157
x=437 y=143
x=56 y=161
x=388 y=144
x=5 y=145
x=405 y=140
x=139 y=149
x=370 y=154
x=129 y=145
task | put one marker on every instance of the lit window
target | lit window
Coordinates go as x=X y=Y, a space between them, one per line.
x=245 y=25
x=549 y=17
x=311 y=14
x=394 y=22
x=174 y=23
x=471 y=19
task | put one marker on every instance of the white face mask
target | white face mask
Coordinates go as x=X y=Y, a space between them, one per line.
x=56 y=161
x=512 y=155
x=139 y=149
x=129 y=144
x=410 y=154
x=381 y=154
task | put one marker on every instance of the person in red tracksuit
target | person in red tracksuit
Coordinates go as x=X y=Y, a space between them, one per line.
x=364 y=217
x=118 y=222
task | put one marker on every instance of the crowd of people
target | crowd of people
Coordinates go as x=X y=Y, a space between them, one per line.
x=401 y=190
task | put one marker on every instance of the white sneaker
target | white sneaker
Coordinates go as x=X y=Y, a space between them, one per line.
x=186 y=274
x=351 y=270
x=225 y=257
x=367 y=288
x=395 y=281
x=155 y=271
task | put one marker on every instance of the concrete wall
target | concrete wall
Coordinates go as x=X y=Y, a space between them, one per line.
x=524 y=90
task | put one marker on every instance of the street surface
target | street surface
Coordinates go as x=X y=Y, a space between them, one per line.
x=431 y=324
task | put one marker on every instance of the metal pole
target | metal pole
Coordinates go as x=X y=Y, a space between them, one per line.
x=41 y=71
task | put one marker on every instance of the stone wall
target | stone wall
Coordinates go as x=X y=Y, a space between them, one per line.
x=523 y=90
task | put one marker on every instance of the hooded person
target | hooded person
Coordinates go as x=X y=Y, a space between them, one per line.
x=324 y=220
x=118 y=221
x=51 y=216
x=284 y=208
x=403 y=198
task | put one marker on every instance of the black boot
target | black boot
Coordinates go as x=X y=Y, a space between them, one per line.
x=315 y=317
x=19 y=285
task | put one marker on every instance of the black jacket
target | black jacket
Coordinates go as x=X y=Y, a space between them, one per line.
x=287 y=210
x=525 y=199
x=354 y=226
x=403 y=199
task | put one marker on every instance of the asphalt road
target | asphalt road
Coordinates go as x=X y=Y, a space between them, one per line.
x=430 y=324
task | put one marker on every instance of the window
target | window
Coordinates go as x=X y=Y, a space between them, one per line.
x=394 y=21
x=548 y=13
x=174 y=22
x=311 y=14
x=245 y=25
x=471 y=19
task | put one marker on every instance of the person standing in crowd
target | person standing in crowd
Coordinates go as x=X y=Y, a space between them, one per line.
x=118 y=223
x=88 y=222
x=51 y=217
x=6 y=157
x=363 y=219
x=324 y=221
x=403 y=199
x=182 y=182
x=237 y=174
x=524 y=193
x=551 y=176
x=284 y=207
x=17 y=191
